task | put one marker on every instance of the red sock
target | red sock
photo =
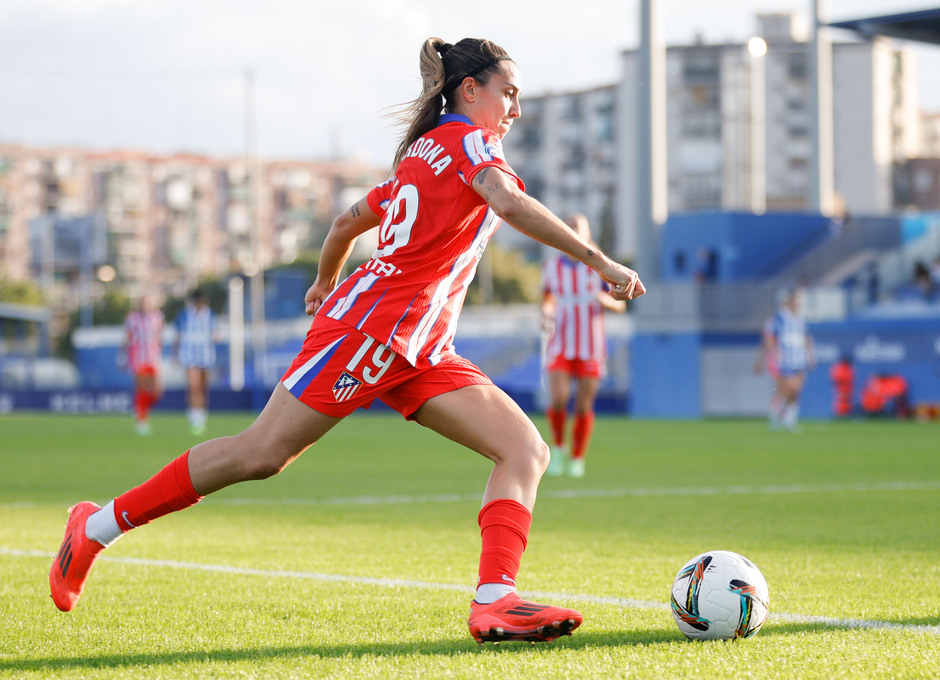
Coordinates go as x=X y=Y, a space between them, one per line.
x=142 y=404
x=504 y=526
x=583 y=427
x=169 y=490
x=557 y=420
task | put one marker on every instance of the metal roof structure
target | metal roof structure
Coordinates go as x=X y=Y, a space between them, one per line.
x=14 y=312
x=920 y=26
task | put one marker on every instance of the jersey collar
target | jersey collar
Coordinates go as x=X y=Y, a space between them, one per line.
x=454 y=118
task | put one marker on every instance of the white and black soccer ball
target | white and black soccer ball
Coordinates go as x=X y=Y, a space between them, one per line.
x=719 y=595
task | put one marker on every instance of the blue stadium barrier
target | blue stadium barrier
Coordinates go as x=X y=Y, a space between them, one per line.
x=909 y=347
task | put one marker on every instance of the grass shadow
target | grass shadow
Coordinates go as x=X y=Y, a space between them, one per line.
x=444 y=647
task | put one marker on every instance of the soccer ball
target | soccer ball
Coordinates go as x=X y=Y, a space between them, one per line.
x=719 y=595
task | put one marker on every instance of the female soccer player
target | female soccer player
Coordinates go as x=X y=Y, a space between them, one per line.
x=142 y=354
x=574 y=298
x=195 y=351
x=787 y=349
x=386 y=333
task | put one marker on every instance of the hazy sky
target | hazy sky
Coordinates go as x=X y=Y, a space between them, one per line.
x=168 y=75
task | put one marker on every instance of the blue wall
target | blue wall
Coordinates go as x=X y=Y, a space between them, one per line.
x=739 y=246
x=284 y=291
x=665 y=375
x=666 y=372
x=917 y=226
x=99 y=369
x=907 y=346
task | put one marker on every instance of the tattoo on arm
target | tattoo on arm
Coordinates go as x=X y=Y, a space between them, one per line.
x=490 y=187
x=355 y=209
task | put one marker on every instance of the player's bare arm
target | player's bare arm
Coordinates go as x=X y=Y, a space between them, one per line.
x=532 y=218
x=337 y=248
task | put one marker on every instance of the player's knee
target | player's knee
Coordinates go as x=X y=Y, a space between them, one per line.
x=529 y=458
x=541 y=457
x=262 y=460
x=263 y=467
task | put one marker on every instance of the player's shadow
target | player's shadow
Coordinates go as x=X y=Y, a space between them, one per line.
x=443 y=647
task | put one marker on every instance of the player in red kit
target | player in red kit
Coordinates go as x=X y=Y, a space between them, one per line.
x=142 y=354
x=386 y=333
x=574 y=298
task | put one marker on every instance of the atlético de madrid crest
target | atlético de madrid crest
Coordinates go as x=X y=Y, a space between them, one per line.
x=345 y=387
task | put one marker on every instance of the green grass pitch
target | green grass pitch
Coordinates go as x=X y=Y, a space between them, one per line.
x=358 y=560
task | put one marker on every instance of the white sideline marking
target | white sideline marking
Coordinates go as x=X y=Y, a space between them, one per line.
x=623 y=603
x=598 y=493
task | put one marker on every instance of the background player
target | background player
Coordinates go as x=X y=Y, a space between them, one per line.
x=574 y=298
x=142 y=353
x=787 y=350
x=195 y=351
x=386 y=332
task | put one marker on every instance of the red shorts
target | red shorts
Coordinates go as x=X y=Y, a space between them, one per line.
x=145 y=370
x=340 y=369
x=578 y=368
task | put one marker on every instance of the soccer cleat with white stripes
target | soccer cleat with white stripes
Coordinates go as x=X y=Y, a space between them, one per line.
x=512 y=618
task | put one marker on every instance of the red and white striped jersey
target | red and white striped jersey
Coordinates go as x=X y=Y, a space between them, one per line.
x=144 y=331
x=433 y=232
x=579 y=315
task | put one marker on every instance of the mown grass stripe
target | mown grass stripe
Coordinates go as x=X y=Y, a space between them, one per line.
x=562 y=494
x=860 y=487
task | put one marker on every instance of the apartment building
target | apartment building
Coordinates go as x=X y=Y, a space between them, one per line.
x=165 y=221
x=738 y=130
x=564 y=147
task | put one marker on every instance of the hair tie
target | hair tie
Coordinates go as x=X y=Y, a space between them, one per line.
x=444 y=49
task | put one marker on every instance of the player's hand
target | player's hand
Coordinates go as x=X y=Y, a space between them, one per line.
x=315 y=296
x=547 y=323
x=625 y=283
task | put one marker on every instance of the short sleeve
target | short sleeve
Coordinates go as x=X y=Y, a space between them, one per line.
x=380 y=195
x=482 y=149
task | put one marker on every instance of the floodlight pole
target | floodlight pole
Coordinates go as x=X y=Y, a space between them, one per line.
x=757 y=200
x=651 y=205
x=256 y=284
x=822 y=150
x=86 y=237
x=236 y=336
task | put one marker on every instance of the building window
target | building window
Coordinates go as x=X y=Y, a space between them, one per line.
x=699 y=68
x=678 y=261
x=701 y=125
x=574 y=110
x=923 y=181
x=797 y=67
x=531 y=137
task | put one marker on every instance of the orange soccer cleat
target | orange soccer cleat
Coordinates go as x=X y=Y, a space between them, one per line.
x=512 y=618
x=78 y=552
